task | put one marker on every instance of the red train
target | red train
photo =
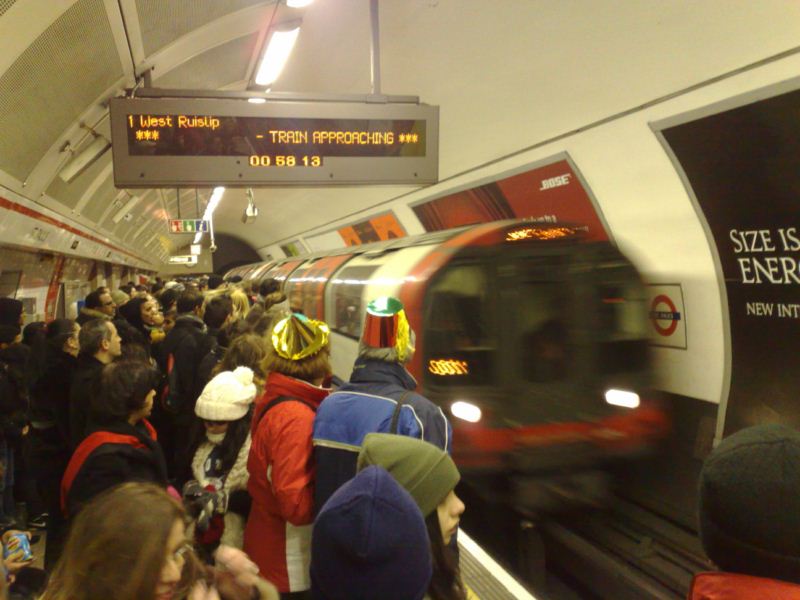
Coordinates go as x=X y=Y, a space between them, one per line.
x=531 y=337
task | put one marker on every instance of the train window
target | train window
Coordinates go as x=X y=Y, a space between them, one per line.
x=281 y=272
x=295 y=289
x=541 y=323
x=459 y=345
x=306 y=285
x=347 y=290
x=9 y=283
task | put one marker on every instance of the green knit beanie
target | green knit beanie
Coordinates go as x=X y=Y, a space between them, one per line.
x=426 y=471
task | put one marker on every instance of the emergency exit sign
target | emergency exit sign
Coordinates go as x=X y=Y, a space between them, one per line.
x=188 y=225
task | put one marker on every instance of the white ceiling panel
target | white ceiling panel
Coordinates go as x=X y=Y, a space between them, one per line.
x=164 y=21
x=56 y=79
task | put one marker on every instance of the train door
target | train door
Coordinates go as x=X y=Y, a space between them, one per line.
x=543 y=350
x=617 y=306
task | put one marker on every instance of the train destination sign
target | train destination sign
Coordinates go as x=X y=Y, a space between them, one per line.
x=189 y=142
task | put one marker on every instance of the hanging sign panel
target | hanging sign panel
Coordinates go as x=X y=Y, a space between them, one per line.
x=188 y=226
x=188 y=142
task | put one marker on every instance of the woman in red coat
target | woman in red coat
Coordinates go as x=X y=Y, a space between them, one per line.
x=278 y=532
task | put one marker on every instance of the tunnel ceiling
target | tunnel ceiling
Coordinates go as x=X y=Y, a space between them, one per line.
x=507 y=75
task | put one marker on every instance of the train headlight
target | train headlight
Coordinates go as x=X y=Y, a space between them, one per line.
x=466 y=411
x=622 y=398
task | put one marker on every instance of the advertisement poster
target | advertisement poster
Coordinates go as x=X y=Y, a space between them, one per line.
x=743 y=167
x=551 y=193
x=375 y=229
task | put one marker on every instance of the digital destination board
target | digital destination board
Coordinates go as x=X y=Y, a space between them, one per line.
x=189 y=142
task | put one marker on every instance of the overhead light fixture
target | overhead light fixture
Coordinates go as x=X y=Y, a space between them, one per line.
x=256 y=100
x=298 y=3
x=276 y=52
x=216 y=196
x=84 y=159
x=126 y=209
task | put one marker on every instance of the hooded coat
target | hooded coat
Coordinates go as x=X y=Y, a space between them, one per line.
x=88 y=314
x=367 y=404
x=278 y=532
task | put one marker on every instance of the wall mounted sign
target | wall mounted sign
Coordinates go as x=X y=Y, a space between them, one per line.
x=551 y=193
x=742 y=167
x=667 y=315
x=375 y=229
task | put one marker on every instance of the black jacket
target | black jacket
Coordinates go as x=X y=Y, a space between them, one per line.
x=112 y=464
x=187 y=343
x=85 y=385
x=13 y=390
x=50 y=401
x=207 y=364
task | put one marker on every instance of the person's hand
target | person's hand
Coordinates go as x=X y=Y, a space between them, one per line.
x=14 y=566
x=14 y=552
x=237 y=577
x=200 y=591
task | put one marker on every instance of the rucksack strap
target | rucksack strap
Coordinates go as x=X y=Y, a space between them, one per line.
x=396 y=413
x=279 y=400
x=88 y=446
x=82 y=453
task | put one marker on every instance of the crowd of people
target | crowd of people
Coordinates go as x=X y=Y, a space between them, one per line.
x=189 y=440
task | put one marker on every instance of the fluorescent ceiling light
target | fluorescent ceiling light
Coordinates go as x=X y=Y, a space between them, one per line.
x=622 y=398
x=256 y=100
x=216 y=196
x=85 y=159
x=298 y=3
x=129 y=206
x=276 y=54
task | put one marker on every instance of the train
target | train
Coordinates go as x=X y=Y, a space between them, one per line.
x=531 y=337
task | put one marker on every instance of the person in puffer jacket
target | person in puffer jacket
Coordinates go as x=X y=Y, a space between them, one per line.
x=220 y=458
x=278 y=532
x=379 y=398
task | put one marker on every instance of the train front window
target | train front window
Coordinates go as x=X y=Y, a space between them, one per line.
x=459 y=345
x=541 y=325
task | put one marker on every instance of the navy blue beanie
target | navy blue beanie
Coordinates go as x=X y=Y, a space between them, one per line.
x=370 y=543
x=750 y=503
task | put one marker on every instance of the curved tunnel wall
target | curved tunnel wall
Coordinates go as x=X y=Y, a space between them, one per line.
x=232 y=252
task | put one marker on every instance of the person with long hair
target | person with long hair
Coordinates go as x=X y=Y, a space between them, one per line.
x=278 y=531
x=247 y=350
x=130 y=544
x=430 y=476
x=219 y=465
x=142 y=312
x=121 y=445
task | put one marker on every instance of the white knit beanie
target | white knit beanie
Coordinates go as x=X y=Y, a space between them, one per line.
x=227 y=397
